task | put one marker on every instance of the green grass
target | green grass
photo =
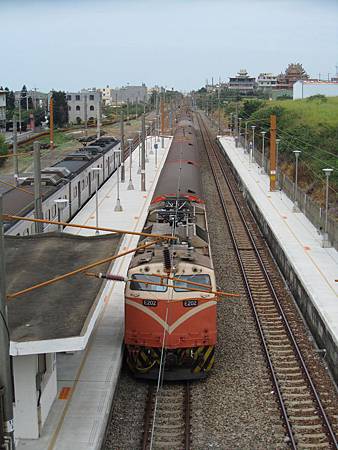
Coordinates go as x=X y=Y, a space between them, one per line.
x=309 y=125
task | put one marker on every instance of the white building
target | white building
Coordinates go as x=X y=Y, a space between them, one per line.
x=308 y=88
x=266 y=80
x=82 y=105
x=107 y=95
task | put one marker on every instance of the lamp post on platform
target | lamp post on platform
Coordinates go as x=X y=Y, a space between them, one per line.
x=263 y=133
x=253 y=141
x=151 y=138
x=130 y=185
x=118 y=206
x=295 y=208
x=139 y=152
x=326 y=242
x=277 y=150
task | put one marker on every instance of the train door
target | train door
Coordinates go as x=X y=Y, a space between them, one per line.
x=79 y=194
x=70 y=199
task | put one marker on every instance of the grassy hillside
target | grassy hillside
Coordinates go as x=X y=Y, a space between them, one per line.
x=309 y=125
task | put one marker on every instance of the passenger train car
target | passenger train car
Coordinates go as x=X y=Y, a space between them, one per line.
x=170 y=329
x=71 y=179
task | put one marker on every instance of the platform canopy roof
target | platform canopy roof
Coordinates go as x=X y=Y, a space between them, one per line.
x=61 y=316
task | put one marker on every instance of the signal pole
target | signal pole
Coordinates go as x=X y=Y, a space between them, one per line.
x=6 y=400
x=51 y=123
x=273 y=127
x=37 y=188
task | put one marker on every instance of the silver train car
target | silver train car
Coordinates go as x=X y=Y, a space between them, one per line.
x=71 y=179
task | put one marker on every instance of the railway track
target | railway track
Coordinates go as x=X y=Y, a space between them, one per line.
x=305 y=419
x=167 y=417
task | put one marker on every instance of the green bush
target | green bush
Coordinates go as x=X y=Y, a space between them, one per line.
x=3 y=149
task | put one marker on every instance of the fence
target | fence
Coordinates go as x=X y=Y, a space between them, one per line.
x=311 y=209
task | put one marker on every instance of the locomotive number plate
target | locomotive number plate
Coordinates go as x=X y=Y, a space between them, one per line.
x=150 y=303
x=190 y=303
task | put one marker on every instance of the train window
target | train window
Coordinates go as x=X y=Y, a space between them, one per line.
x=144 y=286
x=201 y=278
x=49 y=214
x=75 y=191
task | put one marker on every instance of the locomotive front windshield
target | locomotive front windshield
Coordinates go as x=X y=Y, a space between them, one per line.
x=143 y=283
x=182 y=286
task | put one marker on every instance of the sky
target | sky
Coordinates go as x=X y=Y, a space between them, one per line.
x=75 y=44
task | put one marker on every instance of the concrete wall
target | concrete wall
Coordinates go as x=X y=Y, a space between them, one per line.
x=312 y=316
x=304 y=89
x=32 y=406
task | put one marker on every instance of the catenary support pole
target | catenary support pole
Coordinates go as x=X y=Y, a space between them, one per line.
x=37 y=187
x=143 y=154
x=273 y=127
x=15 y=150
x=123 y=173
x=51 y=123
x=5 y=363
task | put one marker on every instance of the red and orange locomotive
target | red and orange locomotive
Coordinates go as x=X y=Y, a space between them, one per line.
x=172 y=327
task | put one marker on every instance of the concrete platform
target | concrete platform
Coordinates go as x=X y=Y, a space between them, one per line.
x=87 y=379
x=310 y=269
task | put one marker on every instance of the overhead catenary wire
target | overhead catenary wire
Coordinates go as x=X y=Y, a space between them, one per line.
x=11 y=217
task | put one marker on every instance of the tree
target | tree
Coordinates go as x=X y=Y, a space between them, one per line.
x=3 y=148
x=23 y=97
x=60 y=108
x=10 y=99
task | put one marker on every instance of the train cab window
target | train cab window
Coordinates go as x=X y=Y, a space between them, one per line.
x=83 y=184
x=200 y=278
x=144 y=286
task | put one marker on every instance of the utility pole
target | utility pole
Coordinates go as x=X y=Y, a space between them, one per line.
x=219 y=111
x=123 y=175
x=162 y=123
x=15 y=150
x=37 y=188
x=51 y=123
x=98 y=120
x=85 y=115
x=6 y=401
x=273 y=127
x=20 y=124
x=143 y=155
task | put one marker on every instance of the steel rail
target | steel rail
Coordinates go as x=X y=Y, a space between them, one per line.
x=274 y=294
x=149 y=418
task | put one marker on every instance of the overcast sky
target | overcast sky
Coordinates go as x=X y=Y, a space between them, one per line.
x=71 y=44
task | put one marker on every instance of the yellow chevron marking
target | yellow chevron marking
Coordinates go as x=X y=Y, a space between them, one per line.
x=179 y=321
